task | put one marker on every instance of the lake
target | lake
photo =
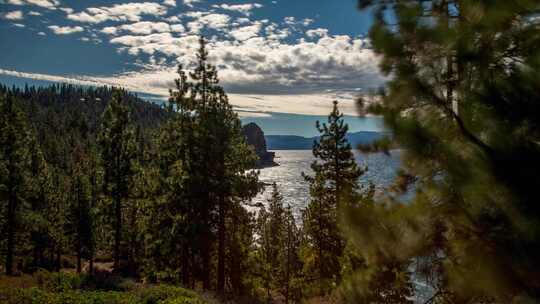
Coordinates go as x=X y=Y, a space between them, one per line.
x=288 y=175
x=382 y=170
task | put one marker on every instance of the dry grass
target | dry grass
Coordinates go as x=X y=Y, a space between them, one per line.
x=22 y=281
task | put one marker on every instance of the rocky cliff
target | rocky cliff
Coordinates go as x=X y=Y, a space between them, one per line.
x=255 y=137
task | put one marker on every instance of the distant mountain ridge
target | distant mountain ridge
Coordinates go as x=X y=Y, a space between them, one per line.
x=293 y=142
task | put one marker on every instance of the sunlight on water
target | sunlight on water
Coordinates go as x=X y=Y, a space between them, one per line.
x=288 y=175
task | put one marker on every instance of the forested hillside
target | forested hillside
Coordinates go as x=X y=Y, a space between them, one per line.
x=292 y=142
x=63 y=106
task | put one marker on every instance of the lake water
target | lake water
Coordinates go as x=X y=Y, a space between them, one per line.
x=382 y=170
x=288 y=175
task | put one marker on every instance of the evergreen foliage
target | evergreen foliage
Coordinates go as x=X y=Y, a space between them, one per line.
x=117 y=141
x=333 y=187
x=204 y=161
x=14 y=174
x=462 y=103
x=278 y=249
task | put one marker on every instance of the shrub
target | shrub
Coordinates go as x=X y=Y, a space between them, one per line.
x=153 y=296
x=149 y=295
x=58 y=281
x=162 y=293
x=61 y=281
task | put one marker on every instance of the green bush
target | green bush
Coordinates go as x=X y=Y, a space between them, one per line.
x=182 y=300
x=38 y=296
x=58 y=281
x=150 y=295
x=161 y=294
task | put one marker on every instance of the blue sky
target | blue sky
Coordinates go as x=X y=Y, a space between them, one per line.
x=281 y=61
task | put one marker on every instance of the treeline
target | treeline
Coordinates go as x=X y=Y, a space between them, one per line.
x=97 y=173
x=162 y=193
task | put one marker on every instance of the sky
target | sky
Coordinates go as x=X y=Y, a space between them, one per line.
x=282 y=62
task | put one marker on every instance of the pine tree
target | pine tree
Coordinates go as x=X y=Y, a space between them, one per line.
x=39 y=198
x=14 y=170
x=81 y=217
x=94 y=180
x=463 y=105
x=278 y=245
x=204 y=145
x=291 y=265
x=334 y=186
x=117 y=154
x=271 y=240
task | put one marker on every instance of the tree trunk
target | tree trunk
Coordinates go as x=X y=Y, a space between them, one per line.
x=206 y=262
x=79 y=232
x=58 y=259
x=12 y=201
x=185 y=266
x=12 y=205
x=51 y=255
x=221 y=246
x=79 y=258
x=133 y=239
x=117 y=231
x=91 y=265
x=320 y=250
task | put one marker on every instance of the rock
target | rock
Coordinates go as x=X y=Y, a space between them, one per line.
x=255 y=137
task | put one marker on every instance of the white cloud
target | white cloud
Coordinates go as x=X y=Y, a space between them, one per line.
x=42 y=34
x=190 y=2
x=173 y=19
x=254 y=64
x=65 y=30
x=289 y=20
x=264 y=65
x=50 y=4
x=164 y=43
x=119 y=12
x=242 y=20
x=54 y=78
x=146 y=27
x=275 y=33
x=246 y=32
x=179 y=28
x=201 y=20
x=307 y=21
x=109 y=30
x=67 y=10
x=159 y=81
x=33 y=13
x=14 y=15
x=241 y=8
x=320 y=32
x=19 y=25
x=169 y=2
x=294 y=22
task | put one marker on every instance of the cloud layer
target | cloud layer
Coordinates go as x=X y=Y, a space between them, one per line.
x=267 y=65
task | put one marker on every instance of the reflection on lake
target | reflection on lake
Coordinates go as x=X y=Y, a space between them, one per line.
x=288 y=175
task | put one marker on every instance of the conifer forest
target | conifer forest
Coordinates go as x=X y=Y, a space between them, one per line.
x=108 y=196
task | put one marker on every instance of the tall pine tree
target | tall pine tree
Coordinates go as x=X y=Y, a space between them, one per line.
x=334 y=186
x=14 y=170
x=118 y=152
x=205 y=160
